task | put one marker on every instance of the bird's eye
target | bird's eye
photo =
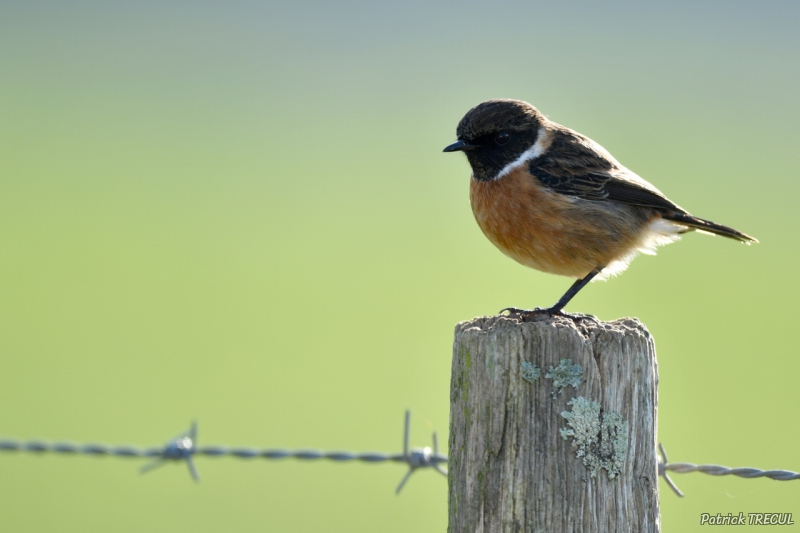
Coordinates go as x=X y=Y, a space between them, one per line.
x=502 y=138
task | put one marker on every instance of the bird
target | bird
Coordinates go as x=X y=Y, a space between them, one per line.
x=556 y=201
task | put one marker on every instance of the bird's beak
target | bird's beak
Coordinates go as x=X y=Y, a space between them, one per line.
x=460 y=146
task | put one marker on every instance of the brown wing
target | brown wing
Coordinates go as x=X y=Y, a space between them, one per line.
x=574 y=165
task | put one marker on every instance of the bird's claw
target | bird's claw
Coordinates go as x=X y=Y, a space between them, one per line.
x=528 y=315
x=524 y=313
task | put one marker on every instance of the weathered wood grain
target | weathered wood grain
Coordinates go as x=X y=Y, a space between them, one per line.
x=513 y=456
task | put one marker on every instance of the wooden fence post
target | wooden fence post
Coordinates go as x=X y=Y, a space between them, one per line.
x=553 y=427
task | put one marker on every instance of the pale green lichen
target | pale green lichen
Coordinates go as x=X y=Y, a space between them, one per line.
x=563 y=375
x=600 y=438
x=530 y=372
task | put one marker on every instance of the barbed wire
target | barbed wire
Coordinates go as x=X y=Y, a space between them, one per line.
x=184 y=447
x=716 y=470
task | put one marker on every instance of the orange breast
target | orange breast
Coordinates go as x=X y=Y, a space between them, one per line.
x=552 y=232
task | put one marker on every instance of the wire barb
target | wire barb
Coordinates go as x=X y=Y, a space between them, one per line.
x=180 y=448
x=419 y=457
x=662 y=470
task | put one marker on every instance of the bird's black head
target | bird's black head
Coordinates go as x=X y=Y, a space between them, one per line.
x=495 y=133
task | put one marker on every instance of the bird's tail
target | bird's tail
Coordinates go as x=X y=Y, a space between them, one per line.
x=695 y=223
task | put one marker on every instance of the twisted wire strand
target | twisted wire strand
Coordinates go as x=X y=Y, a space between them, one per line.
x=184 y=448
x=716 y=470
x=70 y=448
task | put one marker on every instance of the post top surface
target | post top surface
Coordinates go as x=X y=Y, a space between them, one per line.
x=583 y=324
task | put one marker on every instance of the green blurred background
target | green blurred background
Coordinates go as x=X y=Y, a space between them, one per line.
x=239 y=212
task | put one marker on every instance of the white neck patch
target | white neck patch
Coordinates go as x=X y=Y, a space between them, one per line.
x=542 y=143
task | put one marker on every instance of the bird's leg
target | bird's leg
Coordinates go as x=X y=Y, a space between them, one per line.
x=572 y=291
x=563 y=301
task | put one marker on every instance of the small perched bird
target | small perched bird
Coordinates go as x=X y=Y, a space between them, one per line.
x=555 y=200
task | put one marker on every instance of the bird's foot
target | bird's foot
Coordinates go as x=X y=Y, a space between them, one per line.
x=528 y=315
